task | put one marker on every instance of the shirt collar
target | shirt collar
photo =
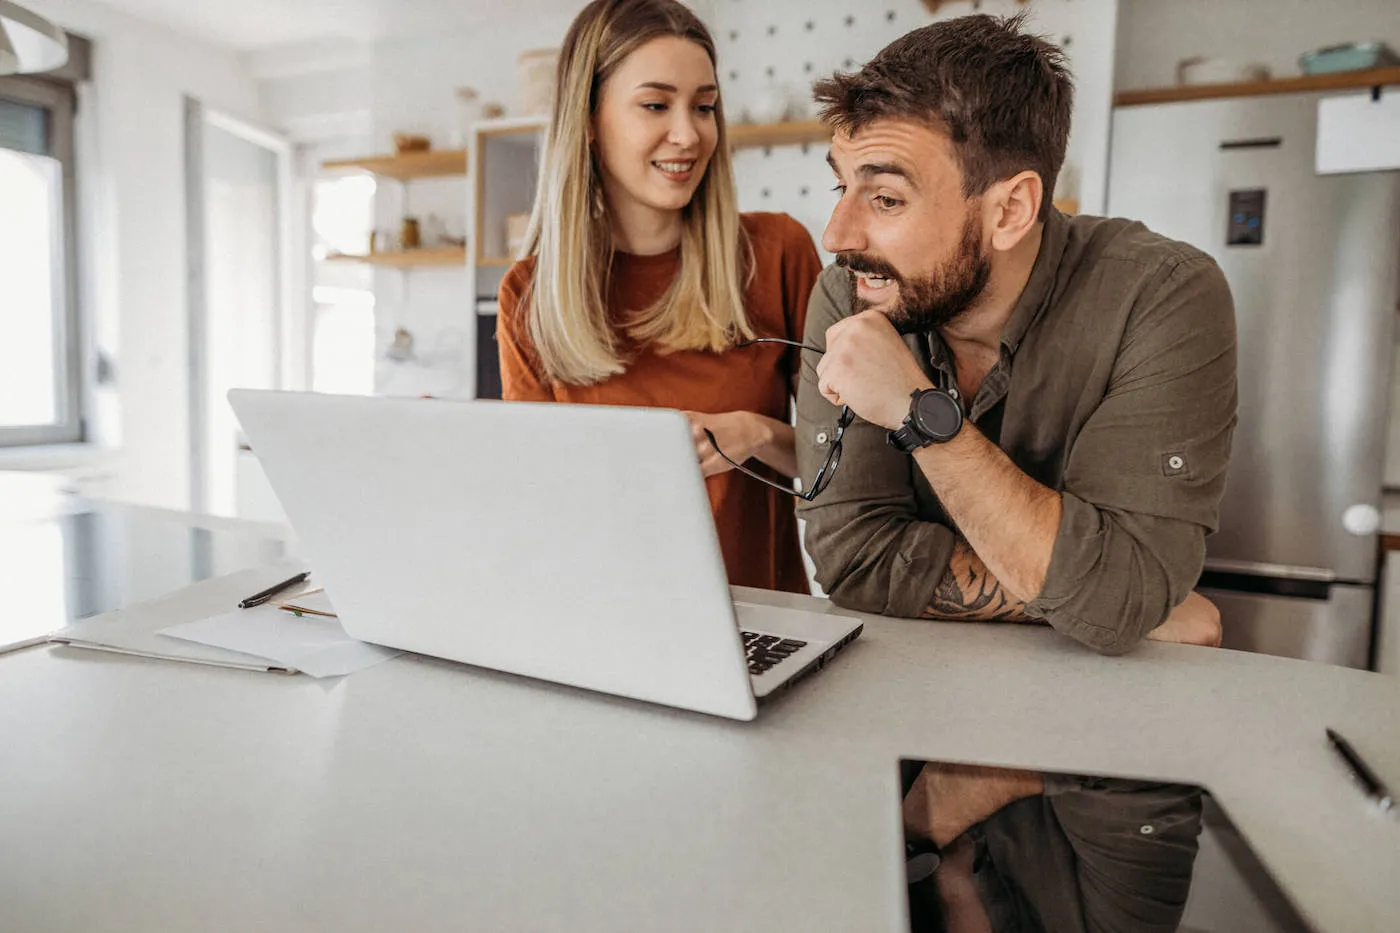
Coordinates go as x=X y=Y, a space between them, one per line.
x=1035 y=297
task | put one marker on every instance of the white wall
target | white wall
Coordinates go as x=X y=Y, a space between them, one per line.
x=316 y=93
x=131 y=188
x=1153 y=35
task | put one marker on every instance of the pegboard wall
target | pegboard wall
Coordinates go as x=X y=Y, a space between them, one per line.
x=777 y=48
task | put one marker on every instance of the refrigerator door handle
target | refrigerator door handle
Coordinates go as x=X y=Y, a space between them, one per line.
x=1258 y=569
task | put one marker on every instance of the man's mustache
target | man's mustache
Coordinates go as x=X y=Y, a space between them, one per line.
x=861 y=262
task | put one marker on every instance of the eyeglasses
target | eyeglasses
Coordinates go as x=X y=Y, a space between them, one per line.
x=833 y=455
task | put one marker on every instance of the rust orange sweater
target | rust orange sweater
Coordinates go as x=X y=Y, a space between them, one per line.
x=757 y=527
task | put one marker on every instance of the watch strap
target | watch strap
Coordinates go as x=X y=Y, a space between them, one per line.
x=906 y=439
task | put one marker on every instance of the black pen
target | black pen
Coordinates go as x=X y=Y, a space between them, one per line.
x=1374 y=787
x=257 y=599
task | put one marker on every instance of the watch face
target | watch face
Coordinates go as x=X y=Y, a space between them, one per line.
x=937 y=415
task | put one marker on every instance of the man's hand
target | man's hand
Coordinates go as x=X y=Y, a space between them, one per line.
x=868 y=367
x=742 y=435
x=1195 y=622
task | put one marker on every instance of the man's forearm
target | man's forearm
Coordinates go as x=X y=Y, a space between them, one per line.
x=1009 y=520
x=947 y=798
x=969 y=592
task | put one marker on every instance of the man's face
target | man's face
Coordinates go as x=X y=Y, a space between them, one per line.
x=902 y=226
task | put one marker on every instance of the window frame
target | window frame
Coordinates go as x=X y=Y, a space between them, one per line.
x=60 y=100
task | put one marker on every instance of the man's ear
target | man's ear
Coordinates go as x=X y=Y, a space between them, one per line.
x=1014 y=208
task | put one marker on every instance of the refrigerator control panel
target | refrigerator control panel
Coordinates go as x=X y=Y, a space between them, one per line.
x=1246 y=218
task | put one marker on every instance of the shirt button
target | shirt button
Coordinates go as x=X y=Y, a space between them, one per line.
x=821 y=437
x=1176 y=463
x=1147 y=830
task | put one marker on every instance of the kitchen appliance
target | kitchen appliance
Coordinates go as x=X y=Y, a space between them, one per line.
x=1314 y=266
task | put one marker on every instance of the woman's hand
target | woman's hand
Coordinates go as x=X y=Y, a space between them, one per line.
x=742 y=435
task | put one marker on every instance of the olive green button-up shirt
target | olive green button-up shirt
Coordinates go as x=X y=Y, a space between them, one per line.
x=1115 y=387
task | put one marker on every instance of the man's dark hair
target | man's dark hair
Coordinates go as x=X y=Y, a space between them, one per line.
x=1002 y=95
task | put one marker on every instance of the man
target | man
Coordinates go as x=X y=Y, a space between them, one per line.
x=1044 y=412
x=1075 y=377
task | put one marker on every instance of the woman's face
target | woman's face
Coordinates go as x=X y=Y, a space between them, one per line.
x=655 y=127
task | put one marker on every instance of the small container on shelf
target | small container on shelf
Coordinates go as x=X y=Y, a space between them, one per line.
x=410 y=235
x=411 y=142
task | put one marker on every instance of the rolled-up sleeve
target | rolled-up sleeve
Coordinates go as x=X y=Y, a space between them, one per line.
x=1144 y=478
x=871 y=551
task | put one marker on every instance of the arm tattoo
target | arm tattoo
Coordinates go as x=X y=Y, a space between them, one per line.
x=969 y=593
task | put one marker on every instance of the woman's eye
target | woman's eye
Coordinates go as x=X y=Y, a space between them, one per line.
x=707 y=108
x=654 y=107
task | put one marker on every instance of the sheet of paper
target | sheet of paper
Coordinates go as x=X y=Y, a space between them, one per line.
x=318 y=646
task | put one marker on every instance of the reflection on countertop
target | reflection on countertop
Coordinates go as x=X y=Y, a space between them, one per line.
x=64 y=558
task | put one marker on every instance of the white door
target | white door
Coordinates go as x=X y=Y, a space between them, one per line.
x=241 y=333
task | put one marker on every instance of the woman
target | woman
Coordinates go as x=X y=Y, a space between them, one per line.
x=641 y=277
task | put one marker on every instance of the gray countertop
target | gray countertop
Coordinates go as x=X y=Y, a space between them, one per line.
x=427 y=795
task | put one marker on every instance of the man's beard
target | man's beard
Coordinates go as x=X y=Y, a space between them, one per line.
x=930 y=301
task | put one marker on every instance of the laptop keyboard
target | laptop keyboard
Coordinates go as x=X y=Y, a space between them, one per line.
x=764 y=651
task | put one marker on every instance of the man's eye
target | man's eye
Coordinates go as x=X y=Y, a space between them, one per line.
x=886 y=202
x=839 y=189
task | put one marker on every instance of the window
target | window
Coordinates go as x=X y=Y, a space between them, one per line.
x=39 y=346
x=342 y=327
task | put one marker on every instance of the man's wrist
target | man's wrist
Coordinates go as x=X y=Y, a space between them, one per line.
x=898 y=408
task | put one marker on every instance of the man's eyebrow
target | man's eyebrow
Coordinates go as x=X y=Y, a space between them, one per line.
x=874 y=169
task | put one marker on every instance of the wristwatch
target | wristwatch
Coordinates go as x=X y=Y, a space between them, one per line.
x=935 y=417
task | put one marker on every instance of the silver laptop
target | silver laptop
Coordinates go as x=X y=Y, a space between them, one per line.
x=570 y=543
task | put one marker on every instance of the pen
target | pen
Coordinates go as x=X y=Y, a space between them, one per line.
x=1372 y=785
x=257 y=599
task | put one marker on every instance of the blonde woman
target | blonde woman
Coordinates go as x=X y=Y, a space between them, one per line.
x=642 y=280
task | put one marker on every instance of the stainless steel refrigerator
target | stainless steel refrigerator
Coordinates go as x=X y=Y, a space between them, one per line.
x=1314 y=265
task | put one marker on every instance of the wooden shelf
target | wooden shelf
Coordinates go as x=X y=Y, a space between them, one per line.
x=1343 y=80
x=751 y=135
x=495 y=261
x=408 y=258
x=434 y=163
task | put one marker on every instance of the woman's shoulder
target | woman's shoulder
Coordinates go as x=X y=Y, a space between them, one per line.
x=514 y=284
x=775 y=233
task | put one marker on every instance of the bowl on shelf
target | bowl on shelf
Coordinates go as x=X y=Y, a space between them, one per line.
x=1351 y=56
x=1200 y=70
x=411 y=142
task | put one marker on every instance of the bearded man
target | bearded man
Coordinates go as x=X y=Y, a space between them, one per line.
x=1044 y=403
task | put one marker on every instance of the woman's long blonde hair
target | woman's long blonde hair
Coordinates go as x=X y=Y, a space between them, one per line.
x=569 y=233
